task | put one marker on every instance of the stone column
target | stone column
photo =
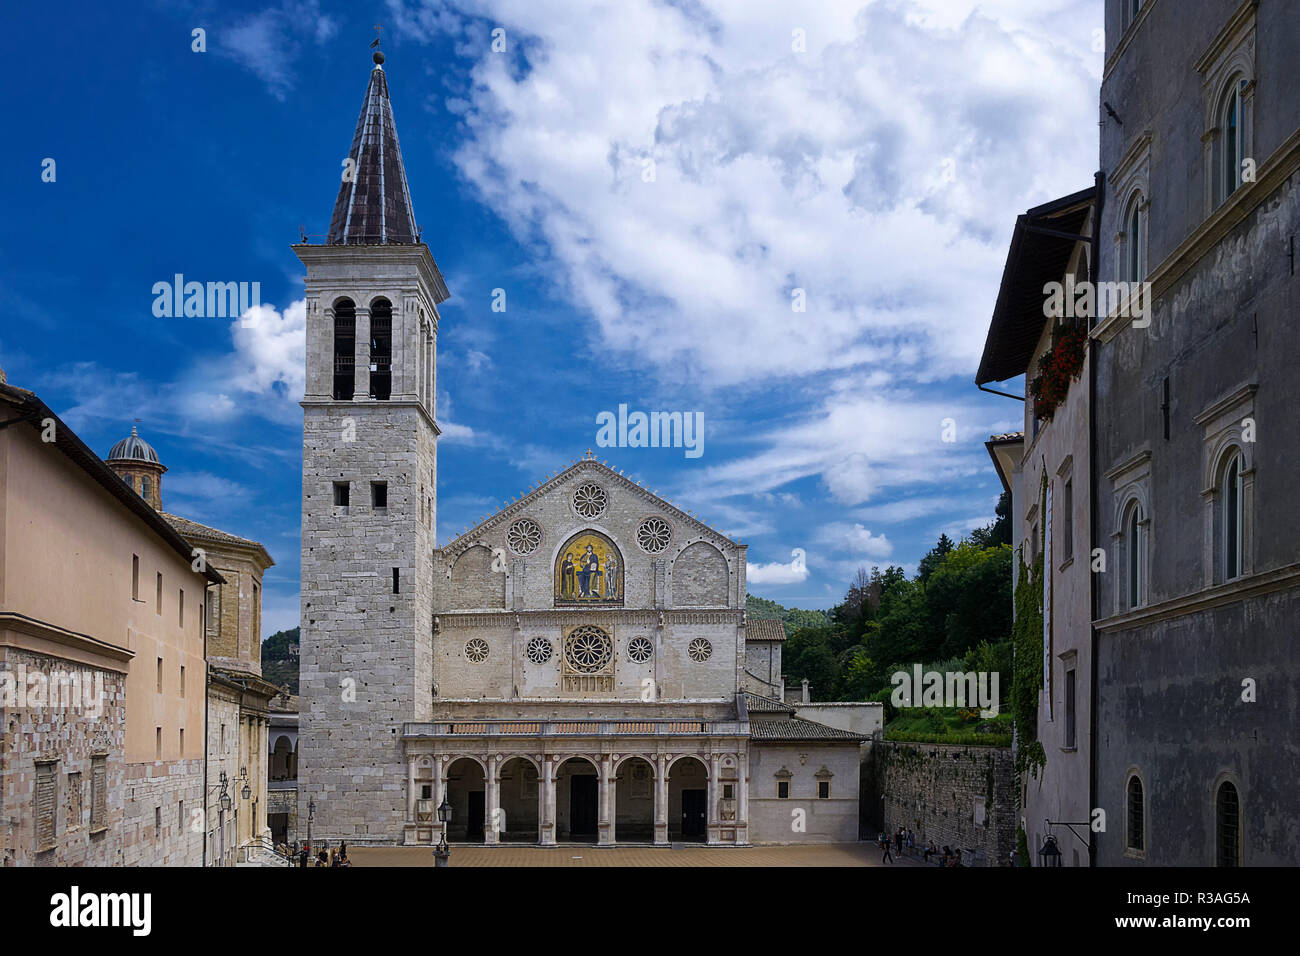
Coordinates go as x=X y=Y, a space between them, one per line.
x=437 y=797
x=493 y=815
x=715 y=793
x=742 y=798
x=548 y=800
x=410 y=788
x=661 y=800
x=605 y=828
x=361 y=373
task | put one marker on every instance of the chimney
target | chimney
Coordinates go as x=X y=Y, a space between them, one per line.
x=805 y=691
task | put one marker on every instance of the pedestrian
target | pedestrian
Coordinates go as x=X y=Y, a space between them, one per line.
x=887 y=856
x=303 y=854
x=911 y=843
x=1012 y=856
x=898 y=841
x=930 y=851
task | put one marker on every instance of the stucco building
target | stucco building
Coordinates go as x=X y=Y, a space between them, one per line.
x=1046 y=470
x=100 y=605
x=236 y=716
x=573 y=667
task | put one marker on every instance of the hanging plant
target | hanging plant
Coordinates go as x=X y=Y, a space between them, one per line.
x=1060 y=365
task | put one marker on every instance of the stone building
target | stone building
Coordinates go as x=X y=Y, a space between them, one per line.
x=232 y=811
x=1198 y=684
x=573 y=667
x=101 y=607
x=282 y=796
x=1046 y=470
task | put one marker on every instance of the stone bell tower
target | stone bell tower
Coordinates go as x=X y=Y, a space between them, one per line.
x=368 y=489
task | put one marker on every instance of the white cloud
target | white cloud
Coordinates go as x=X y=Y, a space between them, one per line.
x=777 y=170
x=268 y=43
x=776 y=573
x=270 y=351
x=855 y=538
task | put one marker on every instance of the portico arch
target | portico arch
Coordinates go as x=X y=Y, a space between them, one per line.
x=634 y=800
x=466 y=785
x=577 y=799
x=519 y=781
x=688 y=799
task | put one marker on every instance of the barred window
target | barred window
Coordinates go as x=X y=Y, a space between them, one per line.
x=1227 y=816
x=1136 y=815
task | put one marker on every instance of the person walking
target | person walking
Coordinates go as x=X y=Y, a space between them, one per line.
x=303 y=854
x=887 y=856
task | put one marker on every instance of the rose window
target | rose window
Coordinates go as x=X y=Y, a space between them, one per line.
x=653 y=535
x=539 y=650
x=589 y=500
x=524 y=536
x=700 y=650
x=588 y=649
x=640 y=650
x=476 y=650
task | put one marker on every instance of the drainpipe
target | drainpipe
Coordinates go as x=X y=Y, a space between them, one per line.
x=1100 y=203
x=207 y=603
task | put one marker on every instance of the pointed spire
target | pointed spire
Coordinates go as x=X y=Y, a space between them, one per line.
x=374 y=203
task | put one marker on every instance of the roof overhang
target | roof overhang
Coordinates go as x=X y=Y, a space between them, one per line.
x=1041 y=245
x=1006 y=452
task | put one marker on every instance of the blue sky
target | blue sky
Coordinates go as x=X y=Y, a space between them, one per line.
x=871 y=154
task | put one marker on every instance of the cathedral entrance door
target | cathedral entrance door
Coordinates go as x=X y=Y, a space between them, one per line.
x=474 y=819
x=582 y=805
x=694 y=804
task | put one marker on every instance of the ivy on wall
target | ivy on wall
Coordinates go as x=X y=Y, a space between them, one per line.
x=1027 y=660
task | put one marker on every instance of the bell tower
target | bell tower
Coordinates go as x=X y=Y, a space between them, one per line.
x=368 y=489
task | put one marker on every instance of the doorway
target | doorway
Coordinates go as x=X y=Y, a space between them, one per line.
x=474 y=817
x=582 y=806
x=694 y=804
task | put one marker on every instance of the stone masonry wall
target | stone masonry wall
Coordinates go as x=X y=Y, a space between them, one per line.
x=935 y=790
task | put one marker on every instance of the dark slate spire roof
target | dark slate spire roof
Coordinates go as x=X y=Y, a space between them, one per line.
x=374 y=207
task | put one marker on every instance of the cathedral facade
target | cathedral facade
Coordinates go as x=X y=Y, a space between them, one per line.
x=573 y=668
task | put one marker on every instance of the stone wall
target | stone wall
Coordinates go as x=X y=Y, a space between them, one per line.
x=938 y=791
x=71 y=736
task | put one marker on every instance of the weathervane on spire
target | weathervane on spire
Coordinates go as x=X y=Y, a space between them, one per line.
x=378 y=56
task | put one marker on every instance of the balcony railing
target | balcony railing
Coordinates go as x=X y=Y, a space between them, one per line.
x=577 y=728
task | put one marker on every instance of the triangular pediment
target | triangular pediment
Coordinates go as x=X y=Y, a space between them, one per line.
x=489 y=530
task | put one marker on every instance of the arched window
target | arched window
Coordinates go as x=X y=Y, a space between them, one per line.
x=1135 y=553
x=1135 y=233
x=145 y=487
x=1227 y=826
x=1231 y=491
x=1135 y=815
x=1231 y=140
x=381 y=349
x=345 y=349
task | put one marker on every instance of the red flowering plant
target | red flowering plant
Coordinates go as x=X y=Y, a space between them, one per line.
x=1060 y=365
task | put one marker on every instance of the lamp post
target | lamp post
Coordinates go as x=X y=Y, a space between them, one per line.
x=311 y=815
x=442 y=852
x=1050 y=854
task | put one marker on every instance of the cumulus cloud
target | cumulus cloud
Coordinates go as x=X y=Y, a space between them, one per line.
x=853 y=538
x=687 y=169
x=777 y=573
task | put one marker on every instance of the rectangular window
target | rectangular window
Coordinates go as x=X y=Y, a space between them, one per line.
x=396 y=581
x=342 y=493
x=158 y=595
x=379 y=494
x=180 y=817
x=157 y=823
x=1069 y=710
x=74 y=800
x=157 y=743
x=783 y=789
x=823 y=789
x=47 y=785
x=1067 y=516
x=180 y=609
x=980 y=812
x=98 y=792
x=728 y=791
x=182 y=680
x=135 y=577
x=181 y=737
x=160 y=675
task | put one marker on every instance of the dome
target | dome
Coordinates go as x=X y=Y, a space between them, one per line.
x=133 y=448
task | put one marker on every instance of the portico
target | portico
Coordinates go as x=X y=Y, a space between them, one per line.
x=581 y=781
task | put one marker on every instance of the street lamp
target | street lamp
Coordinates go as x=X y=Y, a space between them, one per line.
x=1050 y=854
x=442 y=852
x=311 y=815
